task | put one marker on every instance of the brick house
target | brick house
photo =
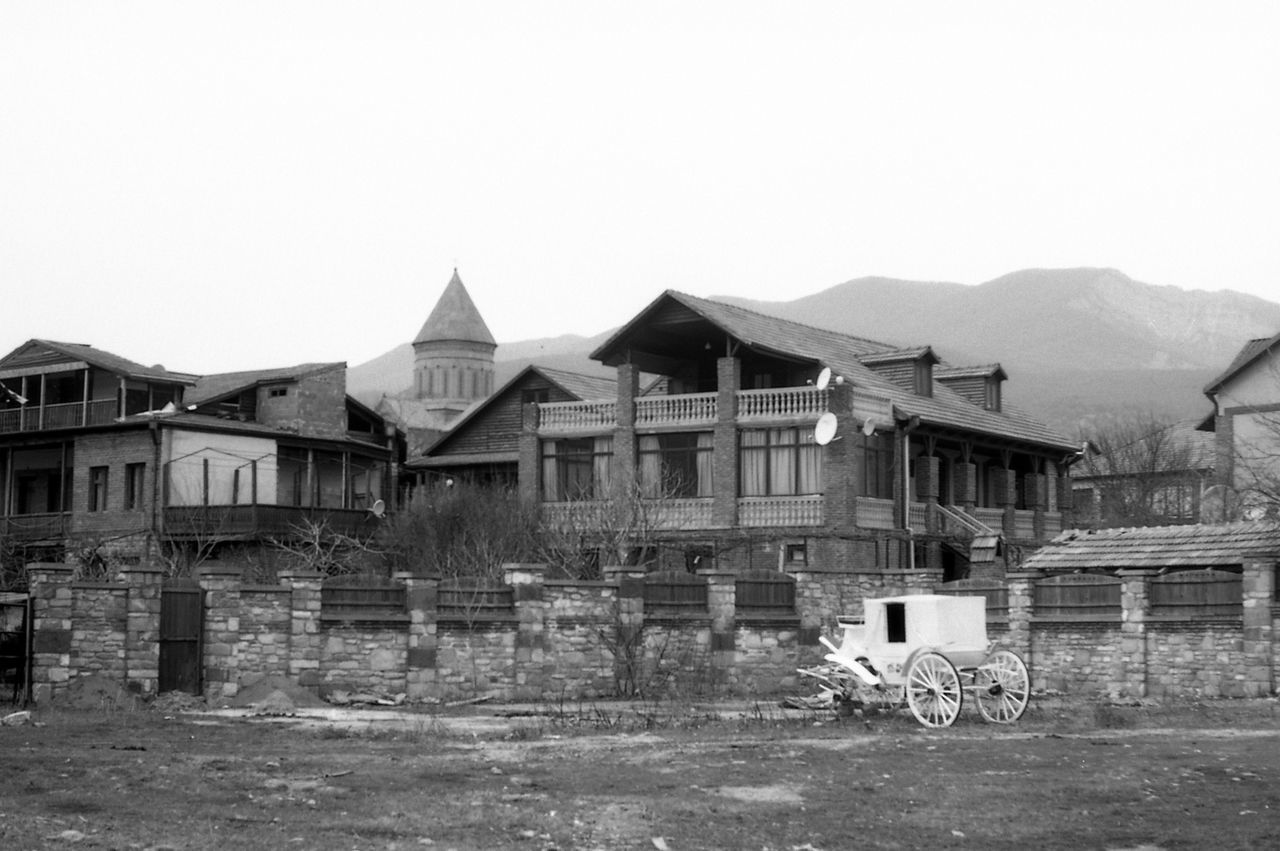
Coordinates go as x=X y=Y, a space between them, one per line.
x=102 y=454
x=923 y=465
x=1246 y=425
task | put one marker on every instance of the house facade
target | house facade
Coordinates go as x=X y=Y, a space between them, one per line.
x=1245 y=422
x=105 y=457
x=775 y=444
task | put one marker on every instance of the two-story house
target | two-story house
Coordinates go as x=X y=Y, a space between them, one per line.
x=779 y=444
x=1246 y=424
x=99 y=452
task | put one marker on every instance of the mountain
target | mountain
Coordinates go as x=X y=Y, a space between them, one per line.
x=1075 y=342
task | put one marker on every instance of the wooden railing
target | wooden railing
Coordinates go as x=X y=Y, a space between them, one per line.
x=1197 y=594
x=34 y=527
x=993 y=517
x=1024 y=524
x=59 y=416
x=242 y=521
x=678 y=409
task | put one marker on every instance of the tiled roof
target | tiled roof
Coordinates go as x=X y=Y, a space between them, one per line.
x=455 y=317
x=105 y=360
x=223 y=384
x=844 y=353
x=1159 y=546
x=896 y=355
x=1246 y=355
x=585 y=388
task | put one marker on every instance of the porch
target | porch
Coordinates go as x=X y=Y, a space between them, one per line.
x=58 y=416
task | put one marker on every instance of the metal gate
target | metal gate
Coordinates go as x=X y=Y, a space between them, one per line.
x=181 y=628
x=15 y=647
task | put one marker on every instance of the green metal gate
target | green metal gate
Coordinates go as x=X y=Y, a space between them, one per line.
x=181 y=628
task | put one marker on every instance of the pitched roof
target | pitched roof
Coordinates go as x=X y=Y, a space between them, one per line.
x=1159 y=546
x=455 y=317
x=216 y=386
x=1250 y=352
x=844 y=354
x=978 y=371
x=37 y=351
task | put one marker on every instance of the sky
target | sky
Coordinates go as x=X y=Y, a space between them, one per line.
x=238 y=185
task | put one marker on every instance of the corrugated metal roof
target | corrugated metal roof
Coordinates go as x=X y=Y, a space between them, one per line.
x=1159 y=546
x=224 y=383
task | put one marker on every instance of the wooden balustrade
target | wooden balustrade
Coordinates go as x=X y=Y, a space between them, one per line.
x=680 y=408
x=782 y=403
x=577 y=416
x=780 y=510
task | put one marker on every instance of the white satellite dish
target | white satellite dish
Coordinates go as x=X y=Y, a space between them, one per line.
x=869 y=427
x=378 y=508
x=825 y=431
x=824 y=378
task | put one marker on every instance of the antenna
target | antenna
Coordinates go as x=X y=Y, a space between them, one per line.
x=825 y=431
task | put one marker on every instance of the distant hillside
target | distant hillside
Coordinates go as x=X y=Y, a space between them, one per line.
x=1075 y=342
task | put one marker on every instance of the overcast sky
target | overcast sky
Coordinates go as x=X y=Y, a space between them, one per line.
x=230 y=186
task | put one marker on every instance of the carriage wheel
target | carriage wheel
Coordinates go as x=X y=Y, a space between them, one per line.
x=1002 y=687
x=933 y=690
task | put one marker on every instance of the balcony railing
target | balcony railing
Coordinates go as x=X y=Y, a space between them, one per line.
x=780 y=510
x=782 y=403
x=247 y=521
x=1024 y=524
x=577 y=416
x=875 y=513
x=678 y=409
x=34 y=527
x=59 y=416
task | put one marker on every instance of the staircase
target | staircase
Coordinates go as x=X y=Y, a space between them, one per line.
x=981 y=538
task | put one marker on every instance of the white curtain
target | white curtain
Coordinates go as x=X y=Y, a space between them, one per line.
x=782 y=459
x=602 y=466
x=809 y=474
x=705 y=459
x=754 y=463
x=650 y=466
x=550 y=479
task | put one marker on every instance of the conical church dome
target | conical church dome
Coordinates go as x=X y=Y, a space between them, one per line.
x=455 y=318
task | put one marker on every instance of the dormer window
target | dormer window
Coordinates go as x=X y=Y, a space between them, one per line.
x=993 y=394
x=923 y=377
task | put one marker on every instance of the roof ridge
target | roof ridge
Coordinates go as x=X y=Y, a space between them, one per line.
x=775 y=318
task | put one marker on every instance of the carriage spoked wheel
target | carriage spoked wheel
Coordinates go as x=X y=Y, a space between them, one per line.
x=1002 y=687
x=933 y=690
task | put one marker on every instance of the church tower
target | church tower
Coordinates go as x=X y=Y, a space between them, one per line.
x=453 y=354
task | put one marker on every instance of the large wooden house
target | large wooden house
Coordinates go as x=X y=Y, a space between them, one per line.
x=917 y=463
x=102 y=454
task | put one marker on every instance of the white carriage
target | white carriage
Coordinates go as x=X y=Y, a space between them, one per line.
x=928 y=651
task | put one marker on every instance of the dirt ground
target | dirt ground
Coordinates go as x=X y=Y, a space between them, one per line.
x=1071 y=774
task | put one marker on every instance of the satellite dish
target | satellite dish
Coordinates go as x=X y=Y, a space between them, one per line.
x=869 y=427
x=1254 y=512
x=825 y=431
x=824 y=378
x=378 y=508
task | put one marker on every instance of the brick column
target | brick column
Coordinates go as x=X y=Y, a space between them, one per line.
x=628 y=656
x=1259 y=586
x=304 y=631
x=923 y=580
x=624 y=435
x=927 y=482
x=1065 y=498
x=1006 y=493
x=221 y=586
x=812 y=618
x=1037 y=501
x=966 y=485
x=842 y=463
x=532 y=668
x=142 y=630
x=724 y=453
x=1020 y=585
x=421 y=594
x=1135 y=596
x=529 y=464
x=50 y=587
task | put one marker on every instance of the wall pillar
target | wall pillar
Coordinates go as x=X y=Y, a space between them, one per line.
x=305 y=641
x=531 y=664
x=1258 y=584
x=1006 y=494
x=724 y=453
x=421 y=596
x=221 y=586
x=51 y=609
x=1135 y=605
x=529 y=463
x=927 y=485
x=722 y=595
x=624 y=435
x=966 y=485
x=1020 y=585
x=142 y=629
x=628 y=651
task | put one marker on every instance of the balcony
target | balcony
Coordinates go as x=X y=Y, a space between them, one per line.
x=35 y=527
x=60 y=416
x=255 y=521
x=780 y=510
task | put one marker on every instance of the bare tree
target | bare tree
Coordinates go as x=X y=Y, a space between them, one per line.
x=1145 y=471
x=580 y=536
x=314 y=545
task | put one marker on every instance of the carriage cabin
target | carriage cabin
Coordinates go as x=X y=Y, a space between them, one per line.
x=916 y=463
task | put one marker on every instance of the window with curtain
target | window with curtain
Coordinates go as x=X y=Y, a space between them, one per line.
x=877 y=466
x=576 y=468
x=779 y=462
x=675 y=465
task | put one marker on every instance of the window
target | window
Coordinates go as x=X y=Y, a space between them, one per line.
x=877 y=466
x=675 y=465
x=993 y=394
x=795 y=555
x=923 y=378
x=779 y=462
x=576 y=468
x=97 y=488
x=134 y=477
x=538 y=396
x=277 y=392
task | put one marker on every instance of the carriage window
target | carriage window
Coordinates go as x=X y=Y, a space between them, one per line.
x=895 y=620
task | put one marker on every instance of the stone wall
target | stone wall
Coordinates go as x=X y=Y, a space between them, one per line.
x=571 y=640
